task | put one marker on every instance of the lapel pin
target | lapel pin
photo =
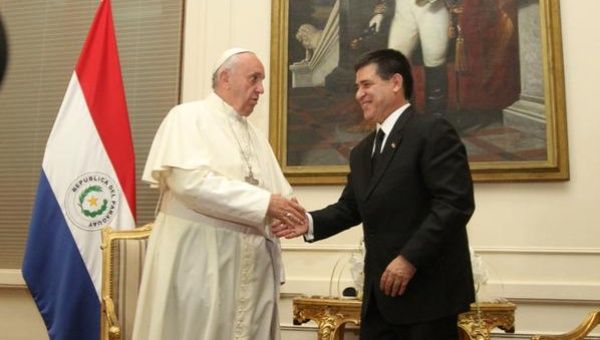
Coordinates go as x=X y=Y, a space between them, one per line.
x=393 y=145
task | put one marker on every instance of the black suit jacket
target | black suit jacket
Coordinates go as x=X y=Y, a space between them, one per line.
x=417 y=205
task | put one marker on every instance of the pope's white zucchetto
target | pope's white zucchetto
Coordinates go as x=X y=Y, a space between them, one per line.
x=226 y=55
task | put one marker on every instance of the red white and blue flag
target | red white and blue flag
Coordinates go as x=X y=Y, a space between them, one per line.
x=87 y=181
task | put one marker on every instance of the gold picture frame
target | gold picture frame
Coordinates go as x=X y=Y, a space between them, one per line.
x=528 y=143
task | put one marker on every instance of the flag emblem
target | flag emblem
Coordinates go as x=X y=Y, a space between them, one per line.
x=92 y=201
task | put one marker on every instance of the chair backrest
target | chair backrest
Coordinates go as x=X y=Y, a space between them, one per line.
x=579 y=333
x=123 y=253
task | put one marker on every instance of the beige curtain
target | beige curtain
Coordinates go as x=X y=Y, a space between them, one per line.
x=45 y=38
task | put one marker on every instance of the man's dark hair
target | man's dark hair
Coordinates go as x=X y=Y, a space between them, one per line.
x=389 y=62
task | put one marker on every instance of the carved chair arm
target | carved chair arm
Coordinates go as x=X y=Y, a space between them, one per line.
x=114 y=329
x=592 y=320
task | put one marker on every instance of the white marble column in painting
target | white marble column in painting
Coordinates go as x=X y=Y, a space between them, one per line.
x=528 y=114
x=312 y=71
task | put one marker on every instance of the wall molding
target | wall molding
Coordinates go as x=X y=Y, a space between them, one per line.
x=538 y=250
x=529 y=335
x=481 y=250
x=496 y=334
x=12 y=278
x=571 y=293
x=335 y=248
x=561 y=293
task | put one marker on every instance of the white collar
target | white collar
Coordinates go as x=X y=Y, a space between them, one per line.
x=390 y=121
x=221 y=106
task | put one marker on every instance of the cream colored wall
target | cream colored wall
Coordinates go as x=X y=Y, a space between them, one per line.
x=19 y=319
x=541 y=241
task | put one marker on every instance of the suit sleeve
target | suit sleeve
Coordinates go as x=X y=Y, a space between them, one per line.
x=447 y=177
x=336 y=217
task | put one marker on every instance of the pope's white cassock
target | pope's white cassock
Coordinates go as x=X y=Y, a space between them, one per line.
x=213 y=269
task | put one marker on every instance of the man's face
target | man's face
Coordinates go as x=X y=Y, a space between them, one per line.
x=377 y=97
x=246 y=85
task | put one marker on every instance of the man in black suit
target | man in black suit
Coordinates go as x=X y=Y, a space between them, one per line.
x=413 y=194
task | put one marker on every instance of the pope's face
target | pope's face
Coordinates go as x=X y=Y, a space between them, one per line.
x=377 y=97
x=246 y=82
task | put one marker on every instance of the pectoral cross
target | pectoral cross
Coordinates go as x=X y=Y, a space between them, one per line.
x=250 y=179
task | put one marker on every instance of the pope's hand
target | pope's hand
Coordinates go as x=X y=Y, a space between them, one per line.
x=290 y=229
x=285 y=210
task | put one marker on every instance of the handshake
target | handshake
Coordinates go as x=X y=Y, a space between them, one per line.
x=288 y=217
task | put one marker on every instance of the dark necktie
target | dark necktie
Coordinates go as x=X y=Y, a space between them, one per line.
x=377 y=152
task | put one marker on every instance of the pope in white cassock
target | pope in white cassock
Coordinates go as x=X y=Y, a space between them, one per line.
x=213 y=268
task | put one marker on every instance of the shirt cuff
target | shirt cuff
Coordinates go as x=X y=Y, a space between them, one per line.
x=309 y=236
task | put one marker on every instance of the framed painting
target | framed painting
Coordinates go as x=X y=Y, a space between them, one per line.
x=495 y=71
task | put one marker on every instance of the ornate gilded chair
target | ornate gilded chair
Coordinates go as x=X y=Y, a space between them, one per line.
x=579 y=333
x=123 y=253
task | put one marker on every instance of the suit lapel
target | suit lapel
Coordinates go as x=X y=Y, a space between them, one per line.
x=366 y=156
x=361 y=165
x=391 y=145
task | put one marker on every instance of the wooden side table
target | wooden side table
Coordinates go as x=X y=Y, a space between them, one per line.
x=331 y=315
